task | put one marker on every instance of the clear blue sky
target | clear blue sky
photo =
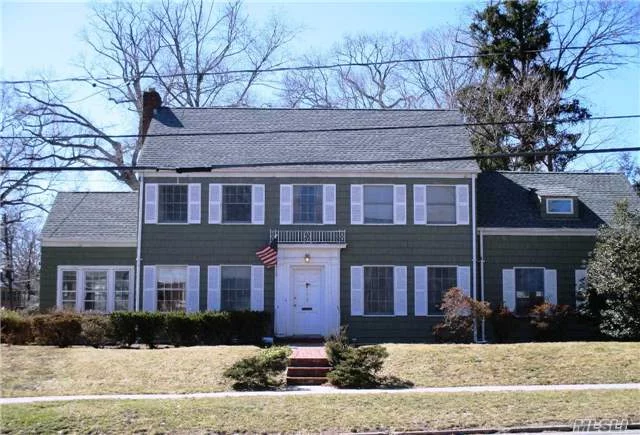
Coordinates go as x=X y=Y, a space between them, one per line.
x=43 y=37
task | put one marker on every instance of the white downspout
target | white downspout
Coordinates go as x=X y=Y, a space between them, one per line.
x=139 y=244
x=473 y=247
x=484 y=339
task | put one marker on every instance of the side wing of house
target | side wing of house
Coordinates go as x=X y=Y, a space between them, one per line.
x=89 y=251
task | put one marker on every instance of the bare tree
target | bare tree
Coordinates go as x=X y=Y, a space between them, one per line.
x=186 y=49
x=377 y=83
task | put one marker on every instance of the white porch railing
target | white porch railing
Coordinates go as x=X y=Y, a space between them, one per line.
x=309 y=236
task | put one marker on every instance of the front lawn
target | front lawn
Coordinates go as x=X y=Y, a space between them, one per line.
x=513 y=364
x=44 y=370
x=328 y=413
x=39 y=370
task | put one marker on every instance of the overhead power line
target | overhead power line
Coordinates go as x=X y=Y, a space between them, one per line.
x=309 y=67
x=331 y=130
x=187 y=169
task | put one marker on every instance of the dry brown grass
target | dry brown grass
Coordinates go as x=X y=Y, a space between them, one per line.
x=515 y=364
x=39 y=370
x=328 y=413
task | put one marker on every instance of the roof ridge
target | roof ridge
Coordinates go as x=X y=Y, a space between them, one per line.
x=97 y=191
x=311 y=109
x=562 y=172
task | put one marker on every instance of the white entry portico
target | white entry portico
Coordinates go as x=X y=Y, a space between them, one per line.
x=307 y=290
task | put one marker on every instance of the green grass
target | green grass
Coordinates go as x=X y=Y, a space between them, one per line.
x=321 y=413
x=40 y=370
x=515 y=364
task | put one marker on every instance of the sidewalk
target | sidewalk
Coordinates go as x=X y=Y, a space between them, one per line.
x=314 y=390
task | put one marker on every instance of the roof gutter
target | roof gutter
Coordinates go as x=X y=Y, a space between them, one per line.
x=139 y=245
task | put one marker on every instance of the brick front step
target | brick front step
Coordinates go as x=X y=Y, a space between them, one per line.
x=308 y=362
x=305 y=380
x=308 y=372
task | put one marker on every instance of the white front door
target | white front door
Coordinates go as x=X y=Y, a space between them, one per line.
x=308 y=301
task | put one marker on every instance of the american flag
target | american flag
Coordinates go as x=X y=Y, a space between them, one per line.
x=269 y=254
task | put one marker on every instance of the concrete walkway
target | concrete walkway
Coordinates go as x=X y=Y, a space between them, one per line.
x=315 y=390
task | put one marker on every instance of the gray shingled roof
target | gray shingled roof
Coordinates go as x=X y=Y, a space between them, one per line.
x=510 y=199
x=93 y=217
x=318 y=146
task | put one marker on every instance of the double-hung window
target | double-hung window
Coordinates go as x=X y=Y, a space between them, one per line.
x=378 y=204
x=95 y=288
x=378 y=290
x=236 y=203
x=529 y=289
x=307 y=204
x=440 y=279
x=441 y=204
x=173 y=203
x=235 y=288
x=172 y=288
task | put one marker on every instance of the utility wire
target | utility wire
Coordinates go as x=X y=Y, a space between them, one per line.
x=331 y=130
x=310 y=67
x=187 y=169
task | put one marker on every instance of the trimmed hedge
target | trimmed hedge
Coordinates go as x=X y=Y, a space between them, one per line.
x=126 y=328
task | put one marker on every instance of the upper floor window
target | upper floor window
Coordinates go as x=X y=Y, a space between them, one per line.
x=236 y=203
x=235 y=288
x=441 y=204
x=378 y=204
x=307 y=204
x=559 y=205
x=173 y=203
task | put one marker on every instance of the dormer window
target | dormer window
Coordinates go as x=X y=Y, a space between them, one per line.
x=559 y=205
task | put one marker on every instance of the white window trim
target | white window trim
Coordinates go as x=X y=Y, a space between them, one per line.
x=293 y=200
x=158 y=204
x=393 y=266
x=80 y=281
x=426 y=285
x=186 y=283
x=426 y=205
x=392 y=204
x=222 y=222
x=547 y=200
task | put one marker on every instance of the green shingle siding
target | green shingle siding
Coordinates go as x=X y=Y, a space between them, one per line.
x=52 y=257
x=403 y=245
x=563 y=253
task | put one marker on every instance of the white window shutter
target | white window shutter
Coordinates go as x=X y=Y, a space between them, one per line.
x=215 y=203
x=286 y=204
x=581 y=276
x=59 y=289
x=357 y=204
x=193 y=289
x=257 y=288
x=464 y=279
x=400 y=290
x=509 y=288
x=420 y=290
x=193 y=211
x=257 y=204
x=213 y=288
x=551 y=286
x=419 y=204
x=357 y=290
x=399 y=204
x=150 y=203
x=462 y=204
x=149 y=292
x=329 y=204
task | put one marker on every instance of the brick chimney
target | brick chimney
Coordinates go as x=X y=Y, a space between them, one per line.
x=150 y=102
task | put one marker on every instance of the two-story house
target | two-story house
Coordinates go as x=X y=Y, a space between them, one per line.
x=368 y=244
